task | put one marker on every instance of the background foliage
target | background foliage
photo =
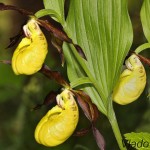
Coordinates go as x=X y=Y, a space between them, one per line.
x=20 y=93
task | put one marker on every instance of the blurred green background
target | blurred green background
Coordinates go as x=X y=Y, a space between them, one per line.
x=18 y=94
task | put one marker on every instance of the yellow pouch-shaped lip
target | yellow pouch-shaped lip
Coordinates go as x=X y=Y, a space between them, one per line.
x=31 y=52
x=131 y=83
x=59 y=123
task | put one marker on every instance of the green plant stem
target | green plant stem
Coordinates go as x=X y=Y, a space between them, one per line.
x=114 y=124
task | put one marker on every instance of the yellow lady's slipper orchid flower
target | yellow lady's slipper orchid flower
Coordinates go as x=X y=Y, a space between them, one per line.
x=59 y=123
x=31 y=52
x=131 y=83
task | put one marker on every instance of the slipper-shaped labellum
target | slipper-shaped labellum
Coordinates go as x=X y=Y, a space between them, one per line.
x=31 y=52
x=131 y=83
x=59 y=123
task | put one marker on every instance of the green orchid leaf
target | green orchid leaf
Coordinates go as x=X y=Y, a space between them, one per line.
x=57 y=6
x=80 y=81
x=75 y=72
x=145 y=11
x=50 y=12
x=142 y=47
x=104 y=32
x=140 y=141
